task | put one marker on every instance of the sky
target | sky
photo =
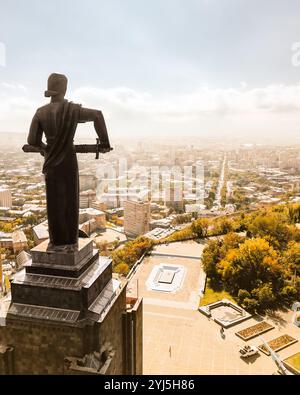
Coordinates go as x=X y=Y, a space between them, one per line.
x=159 y=68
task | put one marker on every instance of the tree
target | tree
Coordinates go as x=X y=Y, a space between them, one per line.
x=122 y=268
x=250 y=304
x=242 y=295
x=253 y=262
x=291 y=257
x=200 y=227
x=265 y=295
x=210 y=257
x=131 y=251
x=231 y=241
x=182 y=218
x=273 y=226
x=294 y=213
x=290 y=292
x=222 y=226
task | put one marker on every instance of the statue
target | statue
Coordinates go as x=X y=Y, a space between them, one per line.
x=58 y=120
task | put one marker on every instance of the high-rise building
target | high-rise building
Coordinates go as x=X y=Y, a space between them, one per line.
x=174 y=195
x=5 y=198
x=136 y=218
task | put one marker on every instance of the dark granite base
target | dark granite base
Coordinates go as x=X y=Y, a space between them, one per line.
x=49 y=281
x=41 y=256
x=62 y=292
x=73 y=271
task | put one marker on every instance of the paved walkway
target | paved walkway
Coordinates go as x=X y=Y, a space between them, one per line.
x=178 y=339
x=196 y=346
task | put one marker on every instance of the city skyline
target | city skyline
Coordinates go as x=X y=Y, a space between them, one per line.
x=206 y=69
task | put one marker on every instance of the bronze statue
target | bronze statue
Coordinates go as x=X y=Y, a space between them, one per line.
x=58 y=120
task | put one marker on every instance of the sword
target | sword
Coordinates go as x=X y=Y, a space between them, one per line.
x=81 y=148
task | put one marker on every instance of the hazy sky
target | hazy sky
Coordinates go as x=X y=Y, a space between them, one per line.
x=157 y=68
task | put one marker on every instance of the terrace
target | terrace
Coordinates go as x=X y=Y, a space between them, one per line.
x=225 y=313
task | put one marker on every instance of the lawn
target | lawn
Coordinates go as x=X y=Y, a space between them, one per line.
x=212 y=295
x=294 y=361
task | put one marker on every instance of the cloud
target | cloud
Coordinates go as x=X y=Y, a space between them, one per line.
x=269 y=110
x=203 y=102
x=16 y=107
x=270 y=113
x=14 y=87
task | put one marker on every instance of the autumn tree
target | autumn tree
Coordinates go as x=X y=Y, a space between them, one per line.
x=294 y=213
x=122 y=268
x=210 y=257
x=200 y=227
x=291 y=257
x=255 y=260
x=272 y=226
x=131 y=251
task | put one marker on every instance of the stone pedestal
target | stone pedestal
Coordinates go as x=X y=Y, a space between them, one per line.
x=66 y=312
x=68 y=281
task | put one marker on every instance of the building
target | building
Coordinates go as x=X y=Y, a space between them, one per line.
x=6 y=240
x=22 y=258
x=91 y=219
x=194 y=208
x=19 y=241
x=86 y=198
x=136 y=218
x=163 y=223
x=116 y=197
x=174 y=195
x=98 y=205
x=113 y=212
x=87 y=181
x=5 y=198
x=157 y=234
x=40 y=232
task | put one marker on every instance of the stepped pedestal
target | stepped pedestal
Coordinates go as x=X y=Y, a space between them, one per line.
x=57 y=280
x=69 y=316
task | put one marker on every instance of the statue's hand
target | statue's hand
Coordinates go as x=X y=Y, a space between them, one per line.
x=43 y=149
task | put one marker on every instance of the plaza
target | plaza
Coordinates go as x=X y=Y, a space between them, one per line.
x=178 y=339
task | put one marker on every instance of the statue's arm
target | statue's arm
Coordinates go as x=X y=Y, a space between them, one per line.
x=96 y=116
x=35 y=133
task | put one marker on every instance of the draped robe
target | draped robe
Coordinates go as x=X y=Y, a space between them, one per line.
x=59 y=121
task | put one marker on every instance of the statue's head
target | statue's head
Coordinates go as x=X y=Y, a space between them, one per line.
x=57 y=85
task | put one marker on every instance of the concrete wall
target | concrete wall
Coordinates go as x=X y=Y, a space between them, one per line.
x=30 y=346
x=133 y=337
x=40 y=348
x=111 y=331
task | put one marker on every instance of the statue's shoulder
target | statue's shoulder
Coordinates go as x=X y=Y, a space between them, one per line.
x=77 y=105
x=43 y=108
